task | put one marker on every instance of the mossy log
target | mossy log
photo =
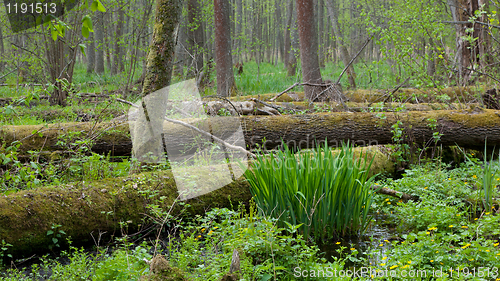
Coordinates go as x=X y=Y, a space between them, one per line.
x=371 y=107
x=465 y=128
x=89 y=208
x=451 y=94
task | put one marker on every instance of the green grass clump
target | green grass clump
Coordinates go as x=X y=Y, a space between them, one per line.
x=327 y=194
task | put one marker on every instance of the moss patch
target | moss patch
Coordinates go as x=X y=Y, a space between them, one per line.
x=82 y=208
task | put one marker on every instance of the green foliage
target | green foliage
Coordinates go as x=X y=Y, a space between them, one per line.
x=123 y=265
x=407 y=25
x=489 y=173
x=266 y=250
x=77 y=264
x=327 y=192
x=4 y=246
x=55 y=234
x=13 y=173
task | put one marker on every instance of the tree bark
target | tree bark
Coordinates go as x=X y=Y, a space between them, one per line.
x=238 y=46
x=278 y=32
x=2 y=50
x=61 y=60
x=118 y=51
x=321 y=51
x=180 y=48
x=466 y=128
x=195 y=38
x=107 y=16
x=344 y=52
x=99 y=41
x=90 y=54
x=226 y=85
x=292 y=56
x=308 y=48
x=288 y=27
x=158 y=76
x=467 y=54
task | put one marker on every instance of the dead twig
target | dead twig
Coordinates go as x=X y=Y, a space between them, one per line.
x=285 y=91
x=295 y=85
x=388 y=95
x=269 y=105
x=352 y=60
x=228 y=145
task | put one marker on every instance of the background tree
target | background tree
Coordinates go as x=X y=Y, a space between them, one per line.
x=308 y=48
x=344 y=52
x=195 y=38
x=99 y=42
x=226 y=85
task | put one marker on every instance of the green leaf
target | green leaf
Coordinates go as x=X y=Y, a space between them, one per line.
x=9 y=110
x=265 y=277
x=97 y=5
x=85 y=32
x=93 y=6
x=87 y=22
x=53 y=32
x=82 y=48
x=55 y=240
x=50 y=232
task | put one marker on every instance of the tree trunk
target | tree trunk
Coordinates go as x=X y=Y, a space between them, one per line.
x=344 y=53
x=91 y=54
x=99 y=41
x=467 y=54
x=2 y=50
x=464 y=128
x=118 y=51
x=158 y=76
x=239 y=31
x=278 y=31
x=292 y=56
x=61 y=60
x=288 y=27
x=107 y=23
x=226 y=85
x=321 y=51
x=180 y=48
x=308 y=48
x=195 y=38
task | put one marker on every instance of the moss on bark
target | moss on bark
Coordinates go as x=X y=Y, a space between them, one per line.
x=86 y=207
x=467 y=128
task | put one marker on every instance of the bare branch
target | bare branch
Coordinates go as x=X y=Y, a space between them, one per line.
x=228 y=145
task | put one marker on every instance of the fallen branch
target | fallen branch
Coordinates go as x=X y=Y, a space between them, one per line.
x=226 y=144
x=269 y=105
x=295 y=85
x=398 y=194
x=352 y=60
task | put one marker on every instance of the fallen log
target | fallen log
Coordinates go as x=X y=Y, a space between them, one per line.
x=465 y=128
x=371 y=107
x=91 y=208
x=408 y=95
